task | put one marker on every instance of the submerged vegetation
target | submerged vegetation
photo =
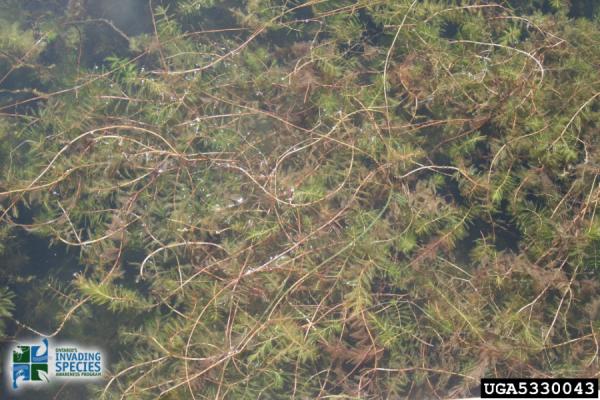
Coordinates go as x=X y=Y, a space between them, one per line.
x=301 y=199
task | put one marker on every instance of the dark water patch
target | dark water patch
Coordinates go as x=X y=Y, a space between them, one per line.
x=217 y=17
x=503 y=233
x=449 y=30
x=108 y=25
x=40 y=257
x=299 y=11
x=283 y=39
x=373 y=32
x=506 y=233
x=131 y=260
x=20 y=85
x=133 y=17
x=29 y=261
x=32 y=11
x=100 y=42
x=522 y=7
x=589 y=9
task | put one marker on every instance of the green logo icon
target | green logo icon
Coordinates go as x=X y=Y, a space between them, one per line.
x=21 y=354
x=39 y=372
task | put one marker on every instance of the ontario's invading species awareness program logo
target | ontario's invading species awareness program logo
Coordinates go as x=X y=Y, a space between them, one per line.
x=41 y=363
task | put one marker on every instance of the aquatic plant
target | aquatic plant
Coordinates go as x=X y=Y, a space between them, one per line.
x=370 y=199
